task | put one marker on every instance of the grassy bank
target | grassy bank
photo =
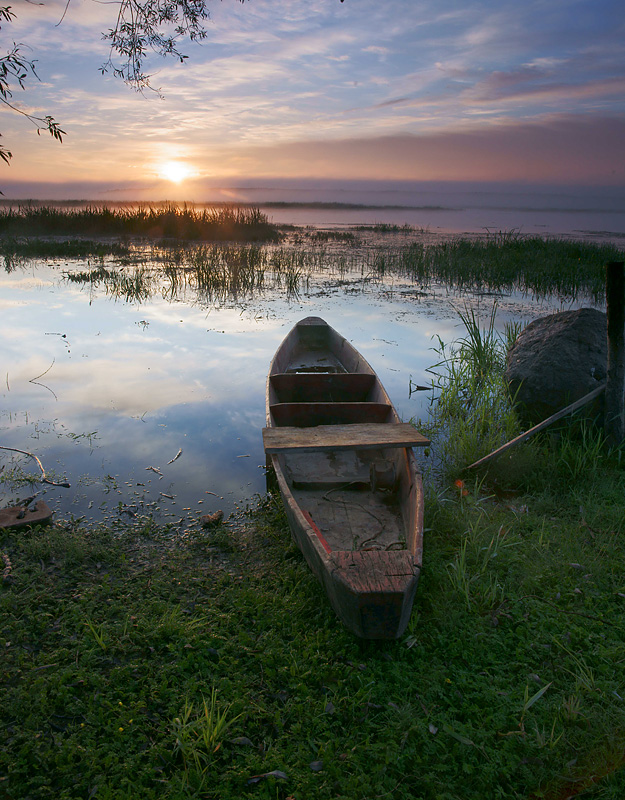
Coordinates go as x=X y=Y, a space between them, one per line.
x=223 y=223
x=140 y=663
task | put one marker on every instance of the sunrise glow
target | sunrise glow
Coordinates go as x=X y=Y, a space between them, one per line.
x=175 y=171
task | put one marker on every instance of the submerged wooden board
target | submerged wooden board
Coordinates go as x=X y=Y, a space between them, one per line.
x=19 y=517
x=363 y=436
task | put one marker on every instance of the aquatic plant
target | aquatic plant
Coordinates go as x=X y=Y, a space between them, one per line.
x=156 y=221
x=471 y=412
x=507 y=262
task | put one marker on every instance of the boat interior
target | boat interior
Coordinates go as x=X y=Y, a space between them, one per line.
x=355 y=498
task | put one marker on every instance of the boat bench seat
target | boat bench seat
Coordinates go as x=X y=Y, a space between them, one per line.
x=307 y=415
x=364 y=436
x=297 y=387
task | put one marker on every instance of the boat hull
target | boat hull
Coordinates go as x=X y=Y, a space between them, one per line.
x=354 y=502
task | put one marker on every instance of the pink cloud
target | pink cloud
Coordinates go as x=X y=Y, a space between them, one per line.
x=562 y=149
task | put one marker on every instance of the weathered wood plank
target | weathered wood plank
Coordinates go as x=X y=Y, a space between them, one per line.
x=300 y=387
x=308 y=415
x=364 y=436
x=373 y=572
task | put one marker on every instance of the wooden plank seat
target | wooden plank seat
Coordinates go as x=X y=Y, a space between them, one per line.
x=307 y=415
x=299 y=387
x=364 y=436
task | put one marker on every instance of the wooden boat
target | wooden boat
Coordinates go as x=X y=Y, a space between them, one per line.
x=348 y=477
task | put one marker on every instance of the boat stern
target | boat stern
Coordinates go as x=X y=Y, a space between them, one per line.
x=373 y=591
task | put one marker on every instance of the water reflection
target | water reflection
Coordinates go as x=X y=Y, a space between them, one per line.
x=107 y=385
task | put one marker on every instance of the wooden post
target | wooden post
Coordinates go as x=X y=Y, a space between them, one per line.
x=615 y=386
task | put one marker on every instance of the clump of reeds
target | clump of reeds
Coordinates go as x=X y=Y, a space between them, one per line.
x=510 y=261
x=221 y=223
x=133 y=285
x=471 y=413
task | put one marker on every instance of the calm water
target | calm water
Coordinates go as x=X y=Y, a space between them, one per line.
x=600 y=226
x=157 y=406
x=591 y=213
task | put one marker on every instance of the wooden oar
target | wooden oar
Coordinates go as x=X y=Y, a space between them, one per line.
x=583 y=401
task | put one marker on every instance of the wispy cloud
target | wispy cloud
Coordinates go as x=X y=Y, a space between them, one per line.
x=309 y=75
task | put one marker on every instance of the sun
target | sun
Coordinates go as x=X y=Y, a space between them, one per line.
x=174 y=171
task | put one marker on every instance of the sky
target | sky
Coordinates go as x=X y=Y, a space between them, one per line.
x=322 y=93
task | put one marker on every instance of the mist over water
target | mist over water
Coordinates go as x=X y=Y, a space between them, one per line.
x=592 y=213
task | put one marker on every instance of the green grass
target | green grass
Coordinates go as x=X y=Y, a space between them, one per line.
x=143 y=663
x=471 y=412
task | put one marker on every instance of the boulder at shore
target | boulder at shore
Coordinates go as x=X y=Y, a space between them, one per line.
x=556 y=360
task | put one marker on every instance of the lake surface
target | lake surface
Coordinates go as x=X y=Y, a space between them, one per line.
x=599 y=225
x=156 y=406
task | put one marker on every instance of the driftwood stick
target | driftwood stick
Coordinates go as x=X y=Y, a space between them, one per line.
x=583 y=401
x=43 y=472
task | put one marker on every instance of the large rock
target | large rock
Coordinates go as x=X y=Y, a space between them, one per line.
x=556 y=360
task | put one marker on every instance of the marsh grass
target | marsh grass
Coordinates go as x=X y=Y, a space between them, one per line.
x=503 y=262
x=135 y=285
x=471 y=412
x=507 y=261
x=346 y=237
x=211 y=273
x=221 y=223
x=16 y=251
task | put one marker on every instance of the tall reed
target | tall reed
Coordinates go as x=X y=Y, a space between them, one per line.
x=471 y=412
